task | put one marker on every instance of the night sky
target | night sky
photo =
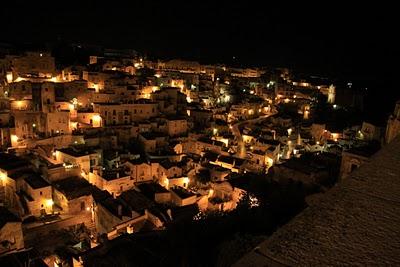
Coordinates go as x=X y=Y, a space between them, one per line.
x=350 y=42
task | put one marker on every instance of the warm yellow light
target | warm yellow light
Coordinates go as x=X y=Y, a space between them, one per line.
x=335 y=136
x=74 y=125
x=251 y=112
x=19 y=104
x=215 y=131
x=14 y=138
x=9 y=77
x=210 y=192
x=166 y=182
x=97 y=118
x=49 y=202
x=188 y=99
x=289 y=131
x=186 y=180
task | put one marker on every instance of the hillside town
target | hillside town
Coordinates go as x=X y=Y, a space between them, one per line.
x=100 y=160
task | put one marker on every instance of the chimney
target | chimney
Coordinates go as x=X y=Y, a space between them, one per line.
x=119 y=210
x=117 y=174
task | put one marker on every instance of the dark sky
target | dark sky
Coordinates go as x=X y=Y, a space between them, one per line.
x=357 y=41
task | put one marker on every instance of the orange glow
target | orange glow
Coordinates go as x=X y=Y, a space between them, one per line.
x=335 y=136
x=210 y=192
x=14 y=138
x=49 y=202
x=74 y=125
x=9 y=77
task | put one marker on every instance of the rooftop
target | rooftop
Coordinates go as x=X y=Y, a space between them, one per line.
x=110 y=175
x=167 y=164
x=76 y=152
x=150 y=189
x=138 y=161
x=152 y=135
x=366 y=150
x=35 y=180
x=112 y=205
x=74 y=187
x=182 y=192
x=136 y=200
x=11 y=162
x=210 y=141
x=211 y=156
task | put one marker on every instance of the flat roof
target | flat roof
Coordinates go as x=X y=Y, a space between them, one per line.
x=110 y=175
x=150 y=189
x=10 y=162
x=136 y=200
x=182 y=192
x=366 y=151
x=36 y=180
x=76 y=152
x=152 y=135
x=74 y=187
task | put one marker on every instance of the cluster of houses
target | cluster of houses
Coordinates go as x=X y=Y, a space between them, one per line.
x=130 y=145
